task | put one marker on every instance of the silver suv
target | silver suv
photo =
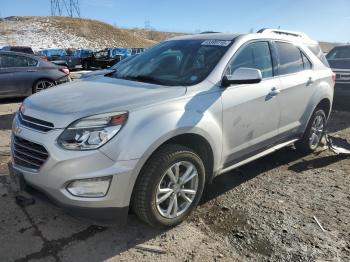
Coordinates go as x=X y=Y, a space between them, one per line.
x=151 y=134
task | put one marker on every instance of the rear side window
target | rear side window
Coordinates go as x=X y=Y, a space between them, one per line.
x=255 y=55
x=341 y=52
x=16 y=61
x=290 y=60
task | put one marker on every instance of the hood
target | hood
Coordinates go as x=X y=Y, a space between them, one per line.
x=66 y=103
x=339 y=63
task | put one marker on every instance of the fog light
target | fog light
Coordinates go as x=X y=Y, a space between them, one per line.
x=91 y=187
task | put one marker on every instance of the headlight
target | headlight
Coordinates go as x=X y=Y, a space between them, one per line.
x=92 y=132
x=91 y=187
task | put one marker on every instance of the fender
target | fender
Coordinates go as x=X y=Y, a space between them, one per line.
x=324 y=90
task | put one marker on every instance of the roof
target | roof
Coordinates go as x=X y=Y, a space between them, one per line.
x=18 y=53
x=209 y=36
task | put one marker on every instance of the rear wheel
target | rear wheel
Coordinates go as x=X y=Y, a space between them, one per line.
x=42 y=84
x=314 y=132
x=169 y=187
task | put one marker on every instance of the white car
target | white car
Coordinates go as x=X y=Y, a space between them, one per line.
x=152 y=133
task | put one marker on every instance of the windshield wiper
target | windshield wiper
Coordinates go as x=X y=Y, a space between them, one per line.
x=143 y=78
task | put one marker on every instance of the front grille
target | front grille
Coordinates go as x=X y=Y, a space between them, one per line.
x=35 y=123
x=28 y=154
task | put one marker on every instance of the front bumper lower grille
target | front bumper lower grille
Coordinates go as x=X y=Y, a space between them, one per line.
x=28 y=154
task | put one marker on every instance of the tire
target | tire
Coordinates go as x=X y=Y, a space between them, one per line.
x=148 y=202
x=86 y=65
x=314 y=128
x=42 y=84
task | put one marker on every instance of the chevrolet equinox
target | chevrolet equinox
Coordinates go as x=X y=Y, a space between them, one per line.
x=152 y=133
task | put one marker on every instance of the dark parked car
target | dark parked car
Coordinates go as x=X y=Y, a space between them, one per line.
x=23 y=74
x=108 y=70
x=339 y=60
x=60 y=57
x=101 y=59
x=82 y=53
x=20 y=49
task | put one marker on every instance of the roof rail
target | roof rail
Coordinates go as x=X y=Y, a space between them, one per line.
x=283 y=32
x=209 y=32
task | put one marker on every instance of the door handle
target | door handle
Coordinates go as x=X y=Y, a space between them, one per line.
x=31 y=70
x=274 y=91
x=310 y=81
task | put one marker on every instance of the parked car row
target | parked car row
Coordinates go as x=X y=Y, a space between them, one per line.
x=22 y=72
x=150 y=133
x=339 y=60
x=80 y=58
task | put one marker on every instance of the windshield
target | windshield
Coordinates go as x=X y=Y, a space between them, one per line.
x=55 y=52
x=176 y=62
x=339 y=53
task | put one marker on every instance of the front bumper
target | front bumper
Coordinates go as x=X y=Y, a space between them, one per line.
x=101 y=214
x=64 y=166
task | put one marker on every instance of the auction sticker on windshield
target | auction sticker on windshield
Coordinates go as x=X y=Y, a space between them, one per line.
x=216 y=42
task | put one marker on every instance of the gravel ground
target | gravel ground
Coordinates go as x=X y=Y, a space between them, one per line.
x=264 y=211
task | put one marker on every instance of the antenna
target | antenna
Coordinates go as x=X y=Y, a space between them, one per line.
x=68 y=7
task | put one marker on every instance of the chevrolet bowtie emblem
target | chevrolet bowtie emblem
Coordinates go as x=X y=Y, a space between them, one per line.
x=17 y=130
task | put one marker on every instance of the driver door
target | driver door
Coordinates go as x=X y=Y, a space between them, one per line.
x=251 y=114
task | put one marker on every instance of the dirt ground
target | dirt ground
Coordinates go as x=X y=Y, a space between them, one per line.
x=264 y=211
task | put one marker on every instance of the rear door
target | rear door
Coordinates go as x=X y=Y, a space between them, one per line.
x=251 y=113
x=17 y=75
x=7 y=75
x=297 y=85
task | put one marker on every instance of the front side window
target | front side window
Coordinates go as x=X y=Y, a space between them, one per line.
x=290 y=60
x=255 y=55
x=175 y=62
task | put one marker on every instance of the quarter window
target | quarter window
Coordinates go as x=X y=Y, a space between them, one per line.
x=290 y=60
x=255 y=55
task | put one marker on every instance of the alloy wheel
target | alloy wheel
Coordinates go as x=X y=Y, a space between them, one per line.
x=316 y=132
x=43 y=84
x=177 y=189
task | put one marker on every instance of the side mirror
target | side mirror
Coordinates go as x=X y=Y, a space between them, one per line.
x=242 y=75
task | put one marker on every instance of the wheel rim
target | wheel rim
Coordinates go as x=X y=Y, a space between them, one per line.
x=316 y=132
x=43 y=84
x=177 y=189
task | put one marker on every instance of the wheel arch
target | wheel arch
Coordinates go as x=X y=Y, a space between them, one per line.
x=41 y=79
x=194 y=141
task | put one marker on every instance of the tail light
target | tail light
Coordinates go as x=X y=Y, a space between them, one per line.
x=334 y=77
x=64 y=70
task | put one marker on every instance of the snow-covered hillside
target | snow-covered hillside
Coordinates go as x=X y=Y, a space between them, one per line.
x=65 y=32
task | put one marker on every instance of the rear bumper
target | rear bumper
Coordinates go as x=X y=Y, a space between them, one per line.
x=63 y=80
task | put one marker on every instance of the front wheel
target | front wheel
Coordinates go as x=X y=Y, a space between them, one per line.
x=314 y=132
x=169 y=187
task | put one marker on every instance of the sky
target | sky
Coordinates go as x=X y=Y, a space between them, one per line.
x=324 y=20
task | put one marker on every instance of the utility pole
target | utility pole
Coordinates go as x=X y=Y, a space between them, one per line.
x=65 y=7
